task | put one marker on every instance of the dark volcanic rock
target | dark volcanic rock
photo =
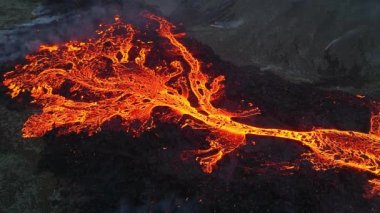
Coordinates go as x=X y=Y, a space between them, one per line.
x=334 y=43
x=327 y=43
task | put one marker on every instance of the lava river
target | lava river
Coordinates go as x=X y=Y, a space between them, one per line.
x=126 y=72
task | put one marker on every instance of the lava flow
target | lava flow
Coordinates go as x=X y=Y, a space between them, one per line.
x=124 y=73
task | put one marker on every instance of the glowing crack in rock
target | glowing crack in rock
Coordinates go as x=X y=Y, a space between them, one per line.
x=121 y=73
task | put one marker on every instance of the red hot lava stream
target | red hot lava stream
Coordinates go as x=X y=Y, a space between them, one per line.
x=81 y=85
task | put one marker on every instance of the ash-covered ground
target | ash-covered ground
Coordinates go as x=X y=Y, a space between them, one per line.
x=290 y=58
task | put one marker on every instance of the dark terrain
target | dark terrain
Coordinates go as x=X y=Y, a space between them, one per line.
x=275 y=57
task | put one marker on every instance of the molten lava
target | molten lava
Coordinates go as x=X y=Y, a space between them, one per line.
x=125 y=74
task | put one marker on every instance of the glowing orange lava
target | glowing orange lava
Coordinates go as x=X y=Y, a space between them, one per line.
x=121 y=73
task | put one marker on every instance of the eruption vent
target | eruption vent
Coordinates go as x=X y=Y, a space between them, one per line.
x=127 y=72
